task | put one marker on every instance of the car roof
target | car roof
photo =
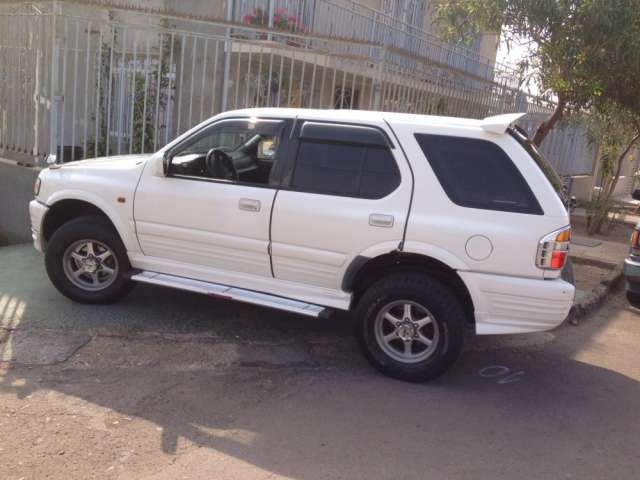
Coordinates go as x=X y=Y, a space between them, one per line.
x=495 y=124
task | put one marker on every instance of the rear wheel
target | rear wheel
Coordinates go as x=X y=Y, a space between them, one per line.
x=410 y=326
x=87 y=262
x=634 y=299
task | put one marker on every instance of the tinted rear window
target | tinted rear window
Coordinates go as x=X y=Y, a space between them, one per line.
x=477 y=173
x=336 y=168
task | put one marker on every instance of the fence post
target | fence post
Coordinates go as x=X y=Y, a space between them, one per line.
x=227 y=58
x=376 y=84
x=271 y=9
x=36 y=95
x=54 y=92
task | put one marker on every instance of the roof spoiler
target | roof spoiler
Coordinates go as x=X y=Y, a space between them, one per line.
x=500 y=123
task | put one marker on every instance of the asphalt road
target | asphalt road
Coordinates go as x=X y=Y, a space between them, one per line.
x=172 y=385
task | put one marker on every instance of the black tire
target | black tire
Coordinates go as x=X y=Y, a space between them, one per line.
x=439 y=301
x=92 y=228
x=634 y=299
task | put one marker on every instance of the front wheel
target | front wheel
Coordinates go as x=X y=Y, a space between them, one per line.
x=87 y=262
x=410 y=326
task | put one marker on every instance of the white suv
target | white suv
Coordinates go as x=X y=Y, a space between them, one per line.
x=419 y=225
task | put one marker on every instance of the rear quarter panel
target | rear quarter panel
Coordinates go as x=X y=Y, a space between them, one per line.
x=436 y=220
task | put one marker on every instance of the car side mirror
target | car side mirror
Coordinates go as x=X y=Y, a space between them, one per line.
x=636 y=194
x=166 y=164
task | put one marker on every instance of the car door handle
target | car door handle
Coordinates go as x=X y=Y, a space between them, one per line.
x=380 y=220
x=249 y=205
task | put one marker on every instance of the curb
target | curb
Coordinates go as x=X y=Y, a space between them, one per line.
x=597 y=296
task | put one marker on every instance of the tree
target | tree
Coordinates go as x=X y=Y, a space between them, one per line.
x=617 y=132
x=585 y=50
x=147 y=93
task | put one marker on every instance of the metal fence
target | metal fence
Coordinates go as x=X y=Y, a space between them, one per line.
x=81 y=81
x=566 y=146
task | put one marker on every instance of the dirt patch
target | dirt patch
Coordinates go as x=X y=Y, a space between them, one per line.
x=588 y=275
x=620 y=232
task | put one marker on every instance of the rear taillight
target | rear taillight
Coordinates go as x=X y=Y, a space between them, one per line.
x=635 y=246
x=553 y=249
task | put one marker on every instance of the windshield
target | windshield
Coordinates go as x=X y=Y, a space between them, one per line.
x=549 y=172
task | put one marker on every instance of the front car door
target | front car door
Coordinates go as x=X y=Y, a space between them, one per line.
x=209 y=214
x=347 y=195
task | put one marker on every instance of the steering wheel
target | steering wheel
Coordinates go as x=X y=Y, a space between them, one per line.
x=220 y=165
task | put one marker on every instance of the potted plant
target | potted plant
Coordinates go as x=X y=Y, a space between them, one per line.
x=281 y=21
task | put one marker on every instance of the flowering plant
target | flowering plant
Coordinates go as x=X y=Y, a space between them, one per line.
x=281 y=21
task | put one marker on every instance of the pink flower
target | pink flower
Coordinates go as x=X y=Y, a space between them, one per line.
x=247 y=19
x=291 y=19
x=279 y=11
x=276 y=19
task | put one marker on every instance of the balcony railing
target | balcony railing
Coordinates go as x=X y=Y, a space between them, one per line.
x=353 y=21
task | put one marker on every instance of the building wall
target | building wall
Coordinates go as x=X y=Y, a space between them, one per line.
x=376 y=4
x=485 y=45
x=626 y=182
x=197 y=7
x=582 y=186
x=489 y=43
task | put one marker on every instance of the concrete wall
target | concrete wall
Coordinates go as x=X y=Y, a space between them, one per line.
x=582 y=188
x=16 y=191
x=626 y=183
x=489 y=43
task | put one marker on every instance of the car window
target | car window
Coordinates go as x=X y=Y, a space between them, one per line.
x=344 y=168
x=477 y=173
x=242 y=151
x=230 y=137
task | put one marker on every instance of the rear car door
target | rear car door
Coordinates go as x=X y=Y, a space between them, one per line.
x=211 y=212
x=346 y=194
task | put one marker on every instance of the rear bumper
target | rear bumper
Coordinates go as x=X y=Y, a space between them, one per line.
x=37 y=212
x=517 y=305
x=632 y=274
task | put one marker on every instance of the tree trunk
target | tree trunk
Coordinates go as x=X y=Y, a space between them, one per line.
x=546 y=126
x=619 y=166
x=602 y=213
x=599 y=216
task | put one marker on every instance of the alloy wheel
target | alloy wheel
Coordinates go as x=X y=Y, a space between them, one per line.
x=90 y=265
x=406 y=331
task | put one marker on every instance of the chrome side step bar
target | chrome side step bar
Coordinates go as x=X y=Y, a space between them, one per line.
x=231 y=293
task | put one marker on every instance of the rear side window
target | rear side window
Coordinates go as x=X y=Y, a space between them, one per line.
x=477 y=173
x=338 y=166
